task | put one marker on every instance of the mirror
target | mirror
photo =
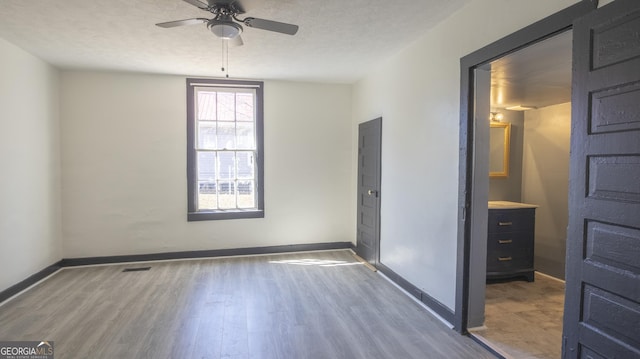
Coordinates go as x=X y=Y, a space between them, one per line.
x=499 y=138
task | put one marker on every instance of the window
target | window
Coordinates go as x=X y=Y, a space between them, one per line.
x=224 y=149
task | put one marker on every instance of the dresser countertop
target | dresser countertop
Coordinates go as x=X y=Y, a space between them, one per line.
x=509 y=205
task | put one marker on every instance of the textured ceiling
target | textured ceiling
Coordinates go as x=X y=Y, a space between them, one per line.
x=338 y=40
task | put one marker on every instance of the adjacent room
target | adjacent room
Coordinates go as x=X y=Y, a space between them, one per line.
x=530 y=127
x=286 y=179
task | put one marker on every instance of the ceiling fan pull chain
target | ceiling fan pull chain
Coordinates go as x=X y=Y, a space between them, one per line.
x=226 y=42
x=222 y=55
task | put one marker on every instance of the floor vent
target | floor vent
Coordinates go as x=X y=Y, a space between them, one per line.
x=139 y=269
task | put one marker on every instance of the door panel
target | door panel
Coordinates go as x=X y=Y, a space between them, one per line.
x=602 y=305
x=368 y=236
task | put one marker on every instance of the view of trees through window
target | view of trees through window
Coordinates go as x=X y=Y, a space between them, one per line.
x=226 y=148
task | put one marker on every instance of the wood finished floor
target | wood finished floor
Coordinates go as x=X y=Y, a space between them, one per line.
x=305 y=305
x=524 y=320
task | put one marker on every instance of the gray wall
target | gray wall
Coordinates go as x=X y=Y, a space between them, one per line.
x=545 y=182
x=539 y=174
x=510 y=188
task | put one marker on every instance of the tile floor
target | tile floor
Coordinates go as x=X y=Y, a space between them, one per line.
x=524 y=320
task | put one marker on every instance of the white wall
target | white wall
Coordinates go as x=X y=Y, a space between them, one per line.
x=124 y=167
x=30 y=165
x=545 y=182
x=417 y=94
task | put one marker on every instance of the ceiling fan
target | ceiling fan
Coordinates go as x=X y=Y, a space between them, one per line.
x=226 y=24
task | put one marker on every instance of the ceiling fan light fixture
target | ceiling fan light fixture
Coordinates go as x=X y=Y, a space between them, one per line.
x=225 y=23
x=226 y=30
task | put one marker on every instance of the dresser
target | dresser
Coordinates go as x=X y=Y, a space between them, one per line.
x=510 y=241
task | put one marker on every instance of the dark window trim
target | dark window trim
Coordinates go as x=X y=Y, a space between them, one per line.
x=192 y=214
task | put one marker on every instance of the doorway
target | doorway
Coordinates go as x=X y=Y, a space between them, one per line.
x=369 y=164
x=603 y=196
x=528 y=169
x=473 y=195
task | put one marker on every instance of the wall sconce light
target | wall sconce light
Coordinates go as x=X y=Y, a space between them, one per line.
x=496 y=116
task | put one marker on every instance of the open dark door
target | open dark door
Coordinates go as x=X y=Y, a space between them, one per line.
x=602 y=305
x=368 y=236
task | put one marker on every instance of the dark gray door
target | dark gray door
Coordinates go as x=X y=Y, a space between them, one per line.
x=602 y=310
x=368 y=236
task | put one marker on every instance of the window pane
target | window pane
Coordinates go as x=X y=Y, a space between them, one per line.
x=226 y=195
x=246 y=166
x=226 y=135
x=207 y=135
x=207 y=198
x=207 y=180
x=226 y=106
x=206 y=105
x=244 y=107
x=226 y=166
x=207 y=167
x=245 y=136
x=246 y=194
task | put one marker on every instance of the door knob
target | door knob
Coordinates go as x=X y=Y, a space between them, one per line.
x=372 y=192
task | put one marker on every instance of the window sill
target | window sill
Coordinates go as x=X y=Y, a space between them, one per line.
x=221 y=215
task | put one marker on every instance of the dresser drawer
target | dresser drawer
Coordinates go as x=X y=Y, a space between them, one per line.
x=508 y=260
x=511 y=220
x=509 y=241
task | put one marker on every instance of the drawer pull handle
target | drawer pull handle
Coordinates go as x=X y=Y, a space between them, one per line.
x=505 y=241
x=505 y=223
x=504 y=259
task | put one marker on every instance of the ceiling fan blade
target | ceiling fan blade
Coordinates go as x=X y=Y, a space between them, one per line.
x=198 y=4
x=270 y=25
x=182 y=22
x=236 y=41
